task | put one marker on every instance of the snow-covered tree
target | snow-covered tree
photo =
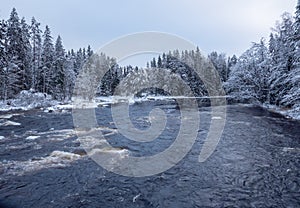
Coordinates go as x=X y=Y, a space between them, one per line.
x=292 y=97
x=153 y=63
x=26 y=55
x=249 y=77
x=69 y=75
x=159 y=62
x=3 y=60
x=47 y=58
x=281 y=48
x=58 y=76
x=219 y=62
x=14 y=67
x=89 y=51
x=36 y=43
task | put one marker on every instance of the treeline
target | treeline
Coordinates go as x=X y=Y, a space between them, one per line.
x=29 y=59
x=175 y=63
x=269 y=72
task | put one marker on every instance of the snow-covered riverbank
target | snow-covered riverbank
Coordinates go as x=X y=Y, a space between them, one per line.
x=293 y=113
x=28 y=100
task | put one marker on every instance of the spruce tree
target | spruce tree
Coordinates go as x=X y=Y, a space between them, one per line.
x=58 y=76
x=3 y=60
x=14 y=70
x=36 y=43
x=47 y=59
x=26 y=55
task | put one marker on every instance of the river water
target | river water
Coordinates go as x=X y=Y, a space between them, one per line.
x=256 y=163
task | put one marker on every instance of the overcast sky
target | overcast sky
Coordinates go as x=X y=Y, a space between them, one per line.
x=222 y=25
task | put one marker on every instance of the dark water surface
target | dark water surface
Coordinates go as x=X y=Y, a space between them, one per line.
x=256 y=163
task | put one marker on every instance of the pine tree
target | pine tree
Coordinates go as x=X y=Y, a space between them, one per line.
x=26 y=55
x=296 y=36
x=69 y=75
x=89 y=51
x=36 y=42
x=219 y=62
x=79 y=61
x=249 y=77
x=47 y=58
x=3 y=60
x=15 y=69
x=58 y=76
x=159 y=62
x=292 y=97
x=153 y=63
x=282 y=54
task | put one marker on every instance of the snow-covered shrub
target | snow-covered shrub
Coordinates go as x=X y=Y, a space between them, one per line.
x=31 y=99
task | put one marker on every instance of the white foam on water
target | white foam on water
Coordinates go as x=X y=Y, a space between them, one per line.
x=21 y=146
x=89 y=142
x=241 y=122
x=95 y=146
x=291 y=149
x=135 y=198
x=65 y=155
x=122 y=153
x=32 y=137
x=58 y=135
x=278 y=135
x=2 y=137
x=7 y=116
x=55 y=159
x=10 y=123
x=216 y=118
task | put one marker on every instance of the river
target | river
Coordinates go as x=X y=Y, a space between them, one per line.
x=255 y=164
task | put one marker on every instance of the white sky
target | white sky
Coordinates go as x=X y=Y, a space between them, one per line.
x=225 y=26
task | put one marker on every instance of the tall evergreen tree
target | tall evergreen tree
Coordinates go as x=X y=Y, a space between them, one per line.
x=292 y=97
x=159 y=62
x=89 y=51
x=58 y=77
x=249 y=78
x=26 y=55
x=219 y=62
x=15 y=70
x=36 y=42
x=282 y=54
x=153 y=63
x=47 y=59
x=3 y=60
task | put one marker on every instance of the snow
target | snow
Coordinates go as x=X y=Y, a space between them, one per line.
x=293 y=113
x=58 y=108
x=27 y=100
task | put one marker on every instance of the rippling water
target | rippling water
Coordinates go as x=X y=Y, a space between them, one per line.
x=256 y=163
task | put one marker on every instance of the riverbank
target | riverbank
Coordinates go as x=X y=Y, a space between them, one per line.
x=292 y=113
x=28 y=100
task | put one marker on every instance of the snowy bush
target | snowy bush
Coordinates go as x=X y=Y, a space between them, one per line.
x=30 y=99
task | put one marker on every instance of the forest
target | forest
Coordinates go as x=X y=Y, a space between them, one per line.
x=267 y=73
